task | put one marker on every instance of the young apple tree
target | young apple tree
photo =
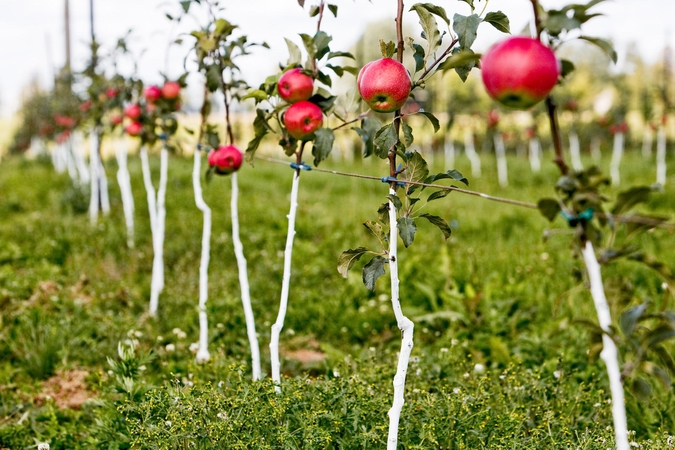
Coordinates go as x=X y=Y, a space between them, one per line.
x=387 y=93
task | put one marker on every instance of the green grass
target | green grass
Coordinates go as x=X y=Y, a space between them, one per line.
x=494 y=295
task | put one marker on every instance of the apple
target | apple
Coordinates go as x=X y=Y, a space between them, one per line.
x=133 y=111
x=111 y=93
x=171 y=90
x=134 y=129
x=152 y=93
x=519 y=72
x=384 y=85
x=493 y=118
x=85 y=105
x=295 y=86
x=116 y=119
x=64 y=121
x=226 y=159
x=302 y=119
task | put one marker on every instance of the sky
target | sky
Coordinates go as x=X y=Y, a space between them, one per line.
x=32 y=43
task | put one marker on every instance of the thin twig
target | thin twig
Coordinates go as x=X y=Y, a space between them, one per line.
x=438 y=60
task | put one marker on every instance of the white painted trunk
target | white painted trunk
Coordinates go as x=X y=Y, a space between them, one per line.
x=647 y=142
x=124 y=181
x=80 y=161
x=661 y=156
x=535 y=154
x=609 y=352
x=470 y=150
x=157 y=285
x=70 y=160
x=575 y=151
x=502 y=168
x=103 y=186
x=596 y=154
x=94 y=167
x=243 y=282
x=285 y=286
x=203 y=351
x=405 y=325
x=449 y=153
x=617 y=153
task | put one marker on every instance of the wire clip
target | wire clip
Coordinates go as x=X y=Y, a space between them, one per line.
x=393 y=180
x=583 y=217
x=163 y=137
x=301 y=166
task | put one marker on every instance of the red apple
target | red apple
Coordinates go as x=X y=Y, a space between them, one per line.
x=226 y=159
x=152 y=93
x=493 y=118
x=133 y=111
x=85 y=106
x=302 y=119
x=134 y=129
x=116 y=119
x=64 y=121
x=111 y=93
x=171 y=90
x=294 y=85
x=519 y=72
x=384 y=85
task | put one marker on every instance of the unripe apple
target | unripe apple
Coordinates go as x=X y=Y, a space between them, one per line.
x=134 y=129
x=171 y=90
x=302 y=119
x=133 y=111
x=294 y=86
x=226 y=159
x=384 y=85
x=519 y=72
x=152 y=93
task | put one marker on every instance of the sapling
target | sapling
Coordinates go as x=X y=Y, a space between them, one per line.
x=203 y=351
x=124 y=181
x=661 y=156
x=575 y=151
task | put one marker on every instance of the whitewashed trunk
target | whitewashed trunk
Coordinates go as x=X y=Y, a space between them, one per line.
x=285 y=286
x=596 y=153
x=535 y=154
x=617 y=153
x=80 y=161
x=609 y=352
x=502 y=168
x=94 y=167
x=647 y=142
x=124 y=181
x=203 y=350
x=661 y=156
x=449 y=153
x=70 y=160
x=103 y=186
x=575 y=151
x=470 y=150
x=407 y=329
x=243 y=282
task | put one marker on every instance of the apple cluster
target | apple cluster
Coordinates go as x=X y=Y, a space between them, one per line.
x=159 y=101
x=303 y=117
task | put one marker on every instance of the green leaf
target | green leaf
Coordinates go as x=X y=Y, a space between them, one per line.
x=186 y=5
x=434 y=9
x=451 y=174
x=660 y=334
x=372 y=271
x=653 y=263
x=333 y=9
x=469 y=2
x=294 y=52
x=260 y=129
x=429 y=26
x=440 y=223
x=626 y=200
x=498 y=20
x=353 y=70
x=213 y=78
x=313 y=11
x=408 y=137
x=434 y=121
x=348 y=258
x=323 y=144
x=325 y=103
x=549 y=208
x=257 y=94
x=383 y=213
x=367 y=131
x=416 y=168
x=309 y=44
x=604 y=45
x=567 y=67
x=385 y=139
x=339 y=71
x=557 y=21
x=332 y=55
x=459 y=59
x=376 y=230
x=439 y=194
x=466 y=28
x=641 y=388
x=321 y=41
x=630 y=318
x=387 y=49
x=324 y=78
x=406 y=229
x=396 y=201
x=301 y=3
x=419 y=57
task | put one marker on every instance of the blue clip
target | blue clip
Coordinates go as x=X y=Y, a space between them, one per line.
x=301 y=166
x=200 y=147
x=163 y=137
x=583 y=217
x=392 y=180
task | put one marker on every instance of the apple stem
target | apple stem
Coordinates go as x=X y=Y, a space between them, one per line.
x=615 y=163
x=609 y=352
x=285 y=286
x=124 y=181
x=94 y=168
x=404 y=324
x=661 y=156
x=575 y=151
x=203 y=354
x=243 y=281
